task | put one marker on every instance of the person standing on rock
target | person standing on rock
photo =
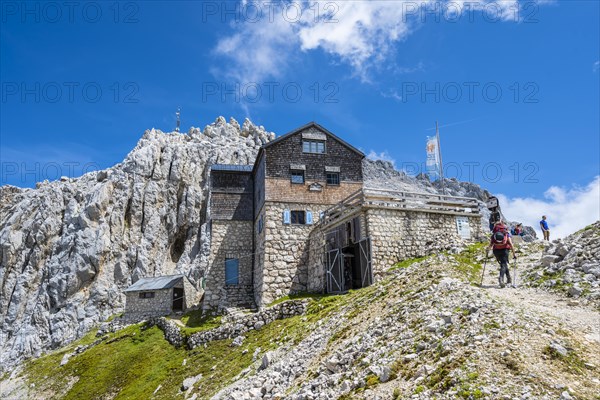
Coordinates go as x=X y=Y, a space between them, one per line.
x=544 y=226
x=518 y=231
x=501 y=244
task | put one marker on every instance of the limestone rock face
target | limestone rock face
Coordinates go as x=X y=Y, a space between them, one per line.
x=69 y=248
x=571 y=265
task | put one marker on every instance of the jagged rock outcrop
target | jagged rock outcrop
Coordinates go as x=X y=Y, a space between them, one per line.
x=571 y=265
x=68 y=248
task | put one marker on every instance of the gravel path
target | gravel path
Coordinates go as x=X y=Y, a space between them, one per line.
x=568 y=312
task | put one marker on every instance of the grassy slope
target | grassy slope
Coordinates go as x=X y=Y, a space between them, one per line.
x=133 y=362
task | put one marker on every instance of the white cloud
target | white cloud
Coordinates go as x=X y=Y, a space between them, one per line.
x=567 y=209
x=361 y=34
x=391 y=94
x=596 y=66
x=384 y=156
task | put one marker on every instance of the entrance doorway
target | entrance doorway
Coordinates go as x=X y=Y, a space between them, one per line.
x=177 y=299
x=349 y=267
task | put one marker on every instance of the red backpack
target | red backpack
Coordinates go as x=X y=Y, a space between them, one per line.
x=500 y=240
x=500 y=228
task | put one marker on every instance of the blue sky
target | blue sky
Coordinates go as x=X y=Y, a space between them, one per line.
x=513 y=84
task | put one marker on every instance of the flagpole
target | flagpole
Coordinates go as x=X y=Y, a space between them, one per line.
x=439 y=149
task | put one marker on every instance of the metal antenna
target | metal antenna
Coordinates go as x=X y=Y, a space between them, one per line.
x=178 y=114
x=439 y=149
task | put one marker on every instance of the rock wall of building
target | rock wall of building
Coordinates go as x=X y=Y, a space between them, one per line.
x=285 y=252
x=259 y=253
x=400 y=235
x=192 y=295
x=316 y=262
x=137 y=308
x=230 y=239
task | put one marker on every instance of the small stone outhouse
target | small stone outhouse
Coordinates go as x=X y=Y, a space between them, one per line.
x=160 y=295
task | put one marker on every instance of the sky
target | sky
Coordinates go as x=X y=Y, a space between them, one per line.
x=514 y=86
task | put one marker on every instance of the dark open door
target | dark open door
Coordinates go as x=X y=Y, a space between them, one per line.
x=335 y=271
x=177 y=299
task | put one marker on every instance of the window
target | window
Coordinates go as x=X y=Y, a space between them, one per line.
x=313 y=146
x=297 y=177
x=232 y=271
x=146 y=295
x=333 y=178
x=260 y=224
x=298 y=217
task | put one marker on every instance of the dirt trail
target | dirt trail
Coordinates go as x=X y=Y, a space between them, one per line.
x=567 y=312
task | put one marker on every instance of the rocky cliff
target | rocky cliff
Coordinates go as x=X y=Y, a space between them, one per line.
x=571 y=266
x=69 y=248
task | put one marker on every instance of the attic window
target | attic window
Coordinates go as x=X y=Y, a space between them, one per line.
x=313 y=146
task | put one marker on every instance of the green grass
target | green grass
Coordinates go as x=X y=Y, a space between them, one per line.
x=112 y=317
x=587 y=228
x=197 y=321
x=467 y=264
x=408 y=263
x=298 y=296
x=570 y=362
x=133 y=362
x=129 y=365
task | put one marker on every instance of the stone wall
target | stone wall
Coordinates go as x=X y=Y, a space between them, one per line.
x=192 y=295
x=242 y=324
x=230 y=239
x=400 y=235
x=391 y=241
x=171 y=330
x=259 y=254
x=137 y=308
x=316 y=262
x=285 y=248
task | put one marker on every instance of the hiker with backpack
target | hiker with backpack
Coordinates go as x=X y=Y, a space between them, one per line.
x=518 y=230
x=501 y=245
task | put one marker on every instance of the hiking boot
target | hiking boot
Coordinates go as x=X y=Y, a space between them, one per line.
x=500 y=282
x=508 y=281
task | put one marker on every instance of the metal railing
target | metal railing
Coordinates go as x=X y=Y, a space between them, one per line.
x=409 y=201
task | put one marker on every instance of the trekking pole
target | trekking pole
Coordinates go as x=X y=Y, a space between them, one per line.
x=483 y=272
x=515 y=281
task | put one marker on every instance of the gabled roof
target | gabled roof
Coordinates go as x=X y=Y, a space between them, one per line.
x=312 y=125
x=154 y=283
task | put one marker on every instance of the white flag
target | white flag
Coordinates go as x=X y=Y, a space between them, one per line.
x=433 y=158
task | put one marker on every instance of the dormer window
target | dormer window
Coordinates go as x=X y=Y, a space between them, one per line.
x=313 y=146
